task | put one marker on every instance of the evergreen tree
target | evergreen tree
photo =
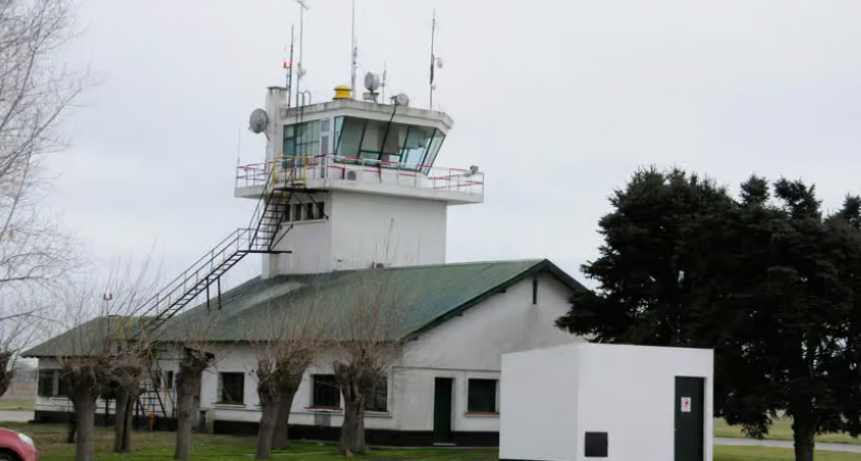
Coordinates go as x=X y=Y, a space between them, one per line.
x=772 y=285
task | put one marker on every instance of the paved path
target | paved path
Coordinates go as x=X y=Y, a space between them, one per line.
x=16 y=416
x=786 y=444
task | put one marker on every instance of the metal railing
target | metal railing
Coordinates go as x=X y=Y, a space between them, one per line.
x=362 y=170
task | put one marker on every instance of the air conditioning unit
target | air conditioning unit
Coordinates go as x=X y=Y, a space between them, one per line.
x=351 y=175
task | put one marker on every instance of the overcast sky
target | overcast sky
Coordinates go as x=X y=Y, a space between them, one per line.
x=557 y=101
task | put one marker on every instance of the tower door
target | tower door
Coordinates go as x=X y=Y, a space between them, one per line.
x=690 y=418
x=442 y=410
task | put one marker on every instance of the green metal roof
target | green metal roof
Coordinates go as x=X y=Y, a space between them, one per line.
x=88 y=339
x=424 y=296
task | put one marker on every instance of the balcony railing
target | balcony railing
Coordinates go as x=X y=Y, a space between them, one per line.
x=300 y=171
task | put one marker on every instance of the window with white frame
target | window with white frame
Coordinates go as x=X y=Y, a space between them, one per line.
x=481 y=396
x=46 y=383
x=231 y=388
x=378 y=397
x=325 y=392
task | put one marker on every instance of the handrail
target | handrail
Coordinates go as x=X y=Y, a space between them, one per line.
x=426 y=176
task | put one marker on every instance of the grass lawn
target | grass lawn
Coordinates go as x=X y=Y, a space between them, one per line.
x=780 y=430
x=147 y=446
x=16 y=404
x=776 y=454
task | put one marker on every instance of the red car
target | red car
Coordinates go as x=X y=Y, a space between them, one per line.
x=15 y=446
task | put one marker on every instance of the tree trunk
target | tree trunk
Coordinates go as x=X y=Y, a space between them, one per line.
x=70 y=436
x=267 y=425
x=191 y=369
x=120 y=420
x=353 y=429
x=129 y=419
x=85 y=422
x=6 y=372
x=282 y=422
x=184 y=401
x=802 y=433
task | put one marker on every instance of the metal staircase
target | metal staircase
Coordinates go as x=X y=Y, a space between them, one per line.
x=258 y=238
x=262 y=235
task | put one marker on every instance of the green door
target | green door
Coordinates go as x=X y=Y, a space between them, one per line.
x=442 y=410
x=690 y=418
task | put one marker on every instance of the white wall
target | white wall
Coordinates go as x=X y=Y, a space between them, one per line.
x=538 y=396
x=629 y=392
x=626 y=391
x=390 y=230
x=505 y=322
x=363 y=229
x=467 y=347
x=309 y=241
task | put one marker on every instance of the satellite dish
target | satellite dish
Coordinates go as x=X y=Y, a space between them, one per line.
x=372 y=82
x=258 y=121
x=402 y=100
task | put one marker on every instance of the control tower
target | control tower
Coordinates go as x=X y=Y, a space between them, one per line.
x=349 y=184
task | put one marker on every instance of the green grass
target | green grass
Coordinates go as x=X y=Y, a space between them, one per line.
x=148 y=446
x=776 y=454
x=16 y=404
x=781 y=429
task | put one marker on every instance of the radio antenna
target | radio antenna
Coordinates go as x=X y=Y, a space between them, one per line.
x=433 y=58
x=300 y=72
x=383 y=85
x=354 y=56
x=288 y=66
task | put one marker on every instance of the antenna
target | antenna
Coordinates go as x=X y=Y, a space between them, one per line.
x=433 y=58
x=301 y=71
x=383 y=85
x=354 y=56
x=290 y=66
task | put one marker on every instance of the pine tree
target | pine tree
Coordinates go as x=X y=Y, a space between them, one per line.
x=770 y=283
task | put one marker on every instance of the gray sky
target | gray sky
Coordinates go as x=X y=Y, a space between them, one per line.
x=558 y=102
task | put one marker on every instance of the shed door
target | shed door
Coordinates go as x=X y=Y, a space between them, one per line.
x=442 y=410
x=690 y=418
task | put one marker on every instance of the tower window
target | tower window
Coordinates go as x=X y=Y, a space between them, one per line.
x=302 y=140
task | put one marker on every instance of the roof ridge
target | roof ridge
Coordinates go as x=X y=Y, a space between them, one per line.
x=423 y=266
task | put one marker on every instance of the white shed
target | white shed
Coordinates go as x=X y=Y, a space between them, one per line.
x=593 y=401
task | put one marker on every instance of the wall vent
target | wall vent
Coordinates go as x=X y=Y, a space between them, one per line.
x=322 y=419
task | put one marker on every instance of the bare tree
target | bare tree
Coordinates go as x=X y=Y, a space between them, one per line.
x=85 y=363
x=191 y=334
x=35 y=94
x=366 y=344
x=286 y=343
x=103 y=347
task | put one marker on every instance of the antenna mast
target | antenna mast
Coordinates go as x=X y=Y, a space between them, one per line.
x=383 y=86
x=289 y=67
x=354 y=56
x=433 y=58
x=301 y=71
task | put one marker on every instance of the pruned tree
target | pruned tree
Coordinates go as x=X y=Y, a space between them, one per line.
x=190 y=336
x=286 y=342
x=86 y=362
x=127 y=373
x=100 y=347
x=365 y=342
x=767 y=279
